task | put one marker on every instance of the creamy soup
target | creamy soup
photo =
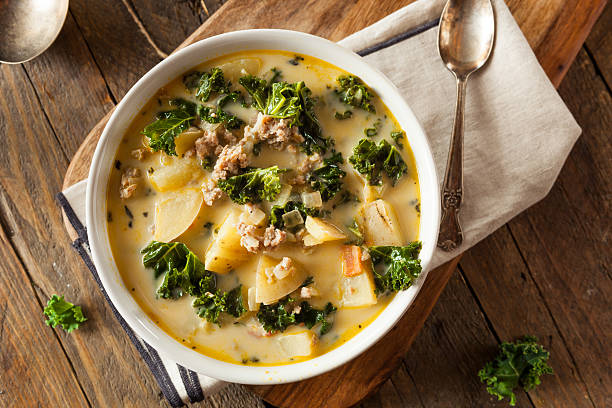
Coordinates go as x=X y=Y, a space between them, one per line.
x=264 y=208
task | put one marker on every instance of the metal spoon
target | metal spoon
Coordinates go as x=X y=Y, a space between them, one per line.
x=29 y=27
x=465 y=40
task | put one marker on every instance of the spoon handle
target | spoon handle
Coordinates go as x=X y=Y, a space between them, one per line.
x=451 y=236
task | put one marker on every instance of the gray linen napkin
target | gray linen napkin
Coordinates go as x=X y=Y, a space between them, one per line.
x=518 y=135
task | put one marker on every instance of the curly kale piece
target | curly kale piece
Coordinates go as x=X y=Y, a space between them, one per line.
x=311 y=316
x=210 y=305
x=518 y=364
x=279 y=316
x=352 y=91
x=397 y=137
x=218 y=115
x=168 y=125
x=327 y=179
x=63 y=313
x=290 y=101
x=208 y=83
x=277 y=211
x=253 y=186
x=402 y=266
x=371 y=160
x=183 y=271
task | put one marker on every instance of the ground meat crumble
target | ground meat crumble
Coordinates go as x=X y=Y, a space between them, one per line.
x=129 y=182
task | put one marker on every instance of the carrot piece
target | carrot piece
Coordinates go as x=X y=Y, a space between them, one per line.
x=352 y=265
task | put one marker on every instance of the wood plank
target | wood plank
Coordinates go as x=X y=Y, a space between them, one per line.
x=567 y=22
x=70 y=87
x=564 y=238
x=599 y=45
x=495 y=271
x=32 y=166
x=35 y=354
x=454 y=344
x=120 y=48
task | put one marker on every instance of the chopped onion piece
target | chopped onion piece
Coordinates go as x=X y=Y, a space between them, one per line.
x=252 y=215
x=312 y=200
x=253 y=305
x=292 y=218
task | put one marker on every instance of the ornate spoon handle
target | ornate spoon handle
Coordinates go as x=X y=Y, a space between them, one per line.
x=451 y=235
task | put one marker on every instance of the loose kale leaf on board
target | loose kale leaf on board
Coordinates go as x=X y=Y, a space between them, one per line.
x=63 y=313
x=518 y=364
x=402 y=266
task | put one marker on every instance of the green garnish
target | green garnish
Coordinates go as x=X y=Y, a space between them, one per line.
x=353 y=92
x=169 y=125
x=63 y=313
x=327 y=179
x=401 y=263
x=341 y=116
x=371 y=160
x=397 y=137
x=253 y=186
x=280 y=315
x=209 y=305
x=517 y=364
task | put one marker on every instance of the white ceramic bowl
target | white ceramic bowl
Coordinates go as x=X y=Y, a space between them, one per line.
x=176 y=65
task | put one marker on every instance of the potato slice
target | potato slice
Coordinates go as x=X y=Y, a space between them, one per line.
x=322 y=230
x=269 y=289
x=233 y=70
x=186 y=140
x=176 y=213
x=357 y=282
x=381 y=225
x=176 y=174
x=225 y=252
x=297 y=345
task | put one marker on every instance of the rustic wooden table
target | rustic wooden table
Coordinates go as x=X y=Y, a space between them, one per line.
x=546 y=272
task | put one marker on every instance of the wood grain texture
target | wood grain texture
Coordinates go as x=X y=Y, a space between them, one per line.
x=21 y=356
x=599 y=45
x=542 y=22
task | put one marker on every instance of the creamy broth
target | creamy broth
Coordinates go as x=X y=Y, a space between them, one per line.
x=131 y=220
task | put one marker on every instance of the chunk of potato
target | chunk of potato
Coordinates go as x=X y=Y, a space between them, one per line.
x=225 y=252
x=358 y=290
x=176 y=174
x=372 y=193
x=233 y=70
x=322 y=230
x=175 y=213
x=269 y=289
x=380 y=224
x=186 y=140
x=297 y=345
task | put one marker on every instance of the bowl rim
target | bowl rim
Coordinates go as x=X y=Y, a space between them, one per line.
x=96 y=192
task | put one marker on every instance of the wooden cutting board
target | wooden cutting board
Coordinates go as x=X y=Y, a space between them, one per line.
x=555 y=29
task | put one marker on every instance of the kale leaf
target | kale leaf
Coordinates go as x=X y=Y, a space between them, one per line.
x=293 y=102
x=282 y=314
x=211 y=115
x=397 y=137
x=183 y=271
x=517 y=364
x=371 y=160
x=402 y=266
x=311 y=316
x=209 y=305
x=353 y=92
x=346 y=115
x=253 y=186
x=211 y=82
x=327 y=179
x=168 y=125
x=277 y=316
x=277 y=211
x=61 y=312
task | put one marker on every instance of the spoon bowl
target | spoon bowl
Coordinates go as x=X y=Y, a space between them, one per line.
x=466 y=33
x=29 y=27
